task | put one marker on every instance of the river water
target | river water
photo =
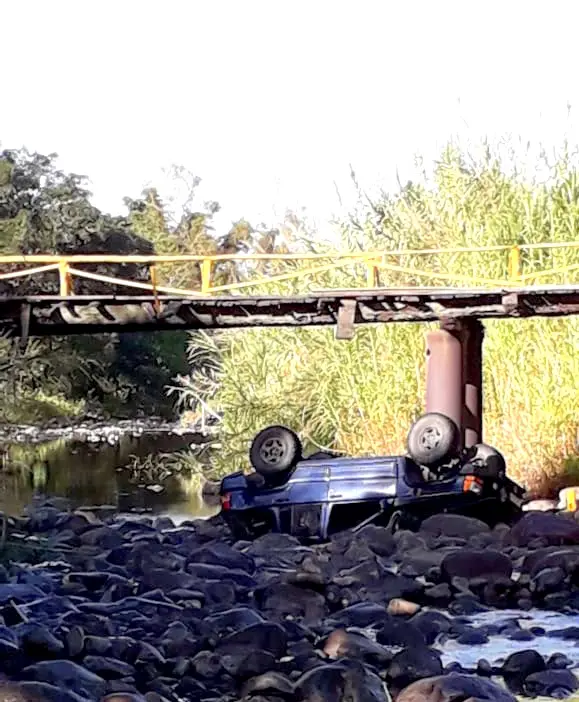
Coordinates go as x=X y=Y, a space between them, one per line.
x=95 y=470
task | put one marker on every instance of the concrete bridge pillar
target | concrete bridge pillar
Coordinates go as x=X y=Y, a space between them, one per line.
x=454 y=375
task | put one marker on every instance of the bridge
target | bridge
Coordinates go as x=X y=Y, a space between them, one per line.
x=307 y=289
x=384 y=286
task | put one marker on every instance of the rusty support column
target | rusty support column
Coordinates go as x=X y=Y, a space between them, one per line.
x=454 y=375
x=444 y=374
x=472 y=334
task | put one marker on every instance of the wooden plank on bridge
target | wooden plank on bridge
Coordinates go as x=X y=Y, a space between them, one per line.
x=56 y=316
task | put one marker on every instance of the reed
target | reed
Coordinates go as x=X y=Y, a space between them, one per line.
x=359 y=397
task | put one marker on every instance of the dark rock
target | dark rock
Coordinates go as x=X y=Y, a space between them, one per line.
x=9 y=643
x=206 y=665
x=569 y=633
x=558 y=661
x=232 y=620
x=553 y=529
x=248 y=664
x=466 y=605
x=483 y=667
x=190 y=688
x=400 y=633
x=206 y=571
x=264 y=636
x=36 y=692
x=422 y=560
x=105 y=537
x=556 y=600
x=147 y=653
x=520 y=665
x=453 y=525
x=74 y=640
x=551 y=683
x=271 y=543
x=379 y=539
x=97 y=645
x=67 y=675
x=220 y=554
x=551 y=557
x=19 y=593
x=455 y=686
x=108 y=668
x=407 y=540
x=413 y=664
x=269 y=683
x=438 y=595
x=521 y=635
x=344 y=644
x=547 y=580
x=473 y=637
x=469 y=563
x=346 y=680
x=361 y=615
x=43 y=519
x=499 y=592
x=284 y=600
x=431 y=624
x=38 y=641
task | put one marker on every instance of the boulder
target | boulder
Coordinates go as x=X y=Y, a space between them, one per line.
x=552 y=529
x=455 y=686
x=470 y=563
x=453 y=525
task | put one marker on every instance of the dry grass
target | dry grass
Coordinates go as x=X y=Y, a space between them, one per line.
x=360 y=397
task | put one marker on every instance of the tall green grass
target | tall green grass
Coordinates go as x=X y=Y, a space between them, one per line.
x=360 y=397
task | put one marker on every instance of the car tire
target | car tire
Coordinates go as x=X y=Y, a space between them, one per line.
x=274 y=451
x=433 y=440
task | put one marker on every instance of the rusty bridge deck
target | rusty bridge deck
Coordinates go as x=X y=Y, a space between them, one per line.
x=56 y=315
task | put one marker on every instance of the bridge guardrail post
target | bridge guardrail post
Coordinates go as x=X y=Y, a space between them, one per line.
x=65 y=279
x=154 y=282
x=515 y=269
x=206 y=266
x=371 y=274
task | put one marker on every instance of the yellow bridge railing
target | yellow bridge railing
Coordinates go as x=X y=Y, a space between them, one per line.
x=521 y=265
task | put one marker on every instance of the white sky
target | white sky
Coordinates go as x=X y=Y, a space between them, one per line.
x=268 y=101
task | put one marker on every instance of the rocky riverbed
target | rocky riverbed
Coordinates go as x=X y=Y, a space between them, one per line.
x=97 y=431
x=131 y=609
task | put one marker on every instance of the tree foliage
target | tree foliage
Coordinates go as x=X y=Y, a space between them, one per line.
x=46 y=210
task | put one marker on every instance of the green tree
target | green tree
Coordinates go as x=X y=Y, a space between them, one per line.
x=46 y=210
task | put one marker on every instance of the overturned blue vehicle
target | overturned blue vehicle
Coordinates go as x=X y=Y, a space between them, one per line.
x=313 y=497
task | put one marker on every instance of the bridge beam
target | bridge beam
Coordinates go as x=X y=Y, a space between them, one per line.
x=454 y=375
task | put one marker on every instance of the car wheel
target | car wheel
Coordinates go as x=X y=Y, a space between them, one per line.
x=433 y=439
x=275 y=450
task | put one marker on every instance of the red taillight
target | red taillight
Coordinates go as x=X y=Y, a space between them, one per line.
x=472 y=484
x=226 y=501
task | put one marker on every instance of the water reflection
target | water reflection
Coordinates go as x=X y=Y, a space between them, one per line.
x=87 y=474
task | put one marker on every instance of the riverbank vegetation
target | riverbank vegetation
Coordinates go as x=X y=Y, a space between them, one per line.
x=46 y=210
x=355 y=397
